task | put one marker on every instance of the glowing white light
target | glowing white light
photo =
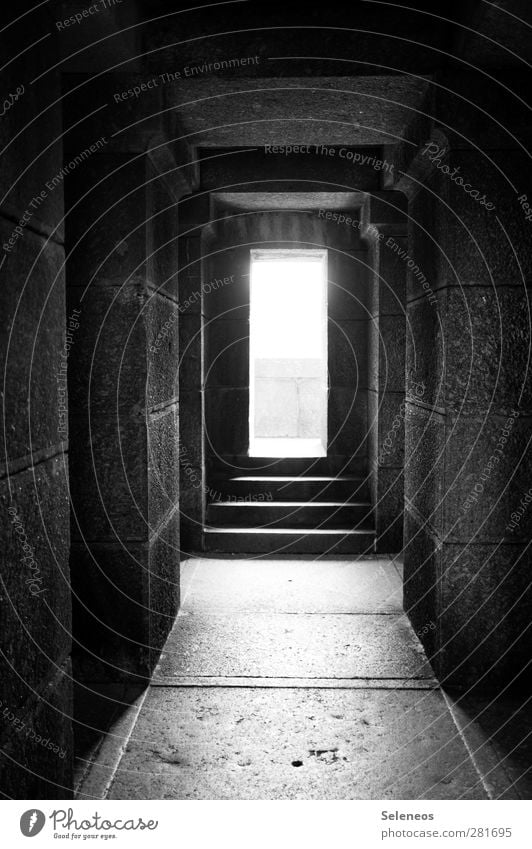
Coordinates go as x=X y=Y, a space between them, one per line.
x=286 y=308
x=288 y=353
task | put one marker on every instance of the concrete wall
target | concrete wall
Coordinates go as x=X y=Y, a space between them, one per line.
x=35 y=611
x=385 y=229
x=466 y=570
x=123 y=270
x=194 y=215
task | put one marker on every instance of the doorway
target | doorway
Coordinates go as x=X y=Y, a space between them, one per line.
x=288 y=353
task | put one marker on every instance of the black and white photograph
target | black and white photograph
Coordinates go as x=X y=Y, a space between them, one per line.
x=266 y=472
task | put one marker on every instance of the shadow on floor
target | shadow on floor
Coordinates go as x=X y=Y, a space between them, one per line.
x=498 y=729
x=98 y=708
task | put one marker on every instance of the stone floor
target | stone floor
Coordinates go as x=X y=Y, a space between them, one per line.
x=295 y=680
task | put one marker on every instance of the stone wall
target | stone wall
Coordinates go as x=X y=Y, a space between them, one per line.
x=35 y=610
x=122 y=269
x=192 y=223
x=385 y=230
x=466 y=573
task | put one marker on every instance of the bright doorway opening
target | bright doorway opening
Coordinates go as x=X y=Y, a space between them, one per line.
x=288 y=353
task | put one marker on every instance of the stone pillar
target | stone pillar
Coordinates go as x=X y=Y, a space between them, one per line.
x=122 y=269
x=35 y=609
x=384 y=224
x=466 y=575
x=347 y=332
x=192 y=464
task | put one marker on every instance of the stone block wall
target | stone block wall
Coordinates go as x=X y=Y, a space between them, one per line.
x=35 y=610
x=191 y=329
x=122 y=269
x=467 y=587
x=385 y=230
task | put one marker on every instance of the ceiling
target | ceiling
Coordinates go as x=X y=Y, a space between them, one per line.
x=274 y=201
x=216 y=112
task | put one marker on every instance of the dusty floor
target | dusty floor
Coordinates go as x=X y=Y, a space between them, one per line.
x=295 y=680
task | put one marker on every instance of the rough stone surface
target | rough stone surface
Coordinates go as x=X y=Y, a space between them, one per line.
x=511 y=740
x=483 y=514
x=487 y=349
x=191 y=473
x=389 y=281
x=227 y=353
x=425 y=350
x=348 y=288
x=290 y=586
x=288 y=98
x=285 y=645
x=210 y=734
x=162 y=321
x=190 y=273
x=479 y=610
x=234 y=744
x=469 y=353
x=421 y=581
x=32 y=327
x=470 y=234
x=425 y=450
x=226 y=283
x=295 y=173
x=162 y=255
x=31 y=136
x=390 y=364
x=125 y=438
x=35 y=628
x=227 y=422
x=280 y=542
x=107 y=579
x=190 y=346
x=348 y=353
x=269 y=514
x=425 y=245
x=109 y=224
x=36 y=761
x=391 y=429
x=388 y=510
x=163 y=585
x=109 y=487
x=347 y=421
x=163 y=459
x=107 y=375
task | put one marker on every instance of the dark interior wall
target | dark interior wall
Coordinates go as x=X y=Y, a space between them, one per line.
x=226 y=310
x=35 y=729
x=193 y=215
x=122 y=271
x=466 y=568
x=161 y=318
x=386 y=229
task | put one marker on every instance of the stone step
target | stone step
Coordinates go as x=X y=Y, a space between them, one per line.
x=277 y=542
x=333 y=464
x=262 y=488
x=290 y=514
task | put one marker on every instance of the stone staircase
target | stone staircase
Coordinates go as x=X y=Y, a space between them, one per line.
x=300 y=511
